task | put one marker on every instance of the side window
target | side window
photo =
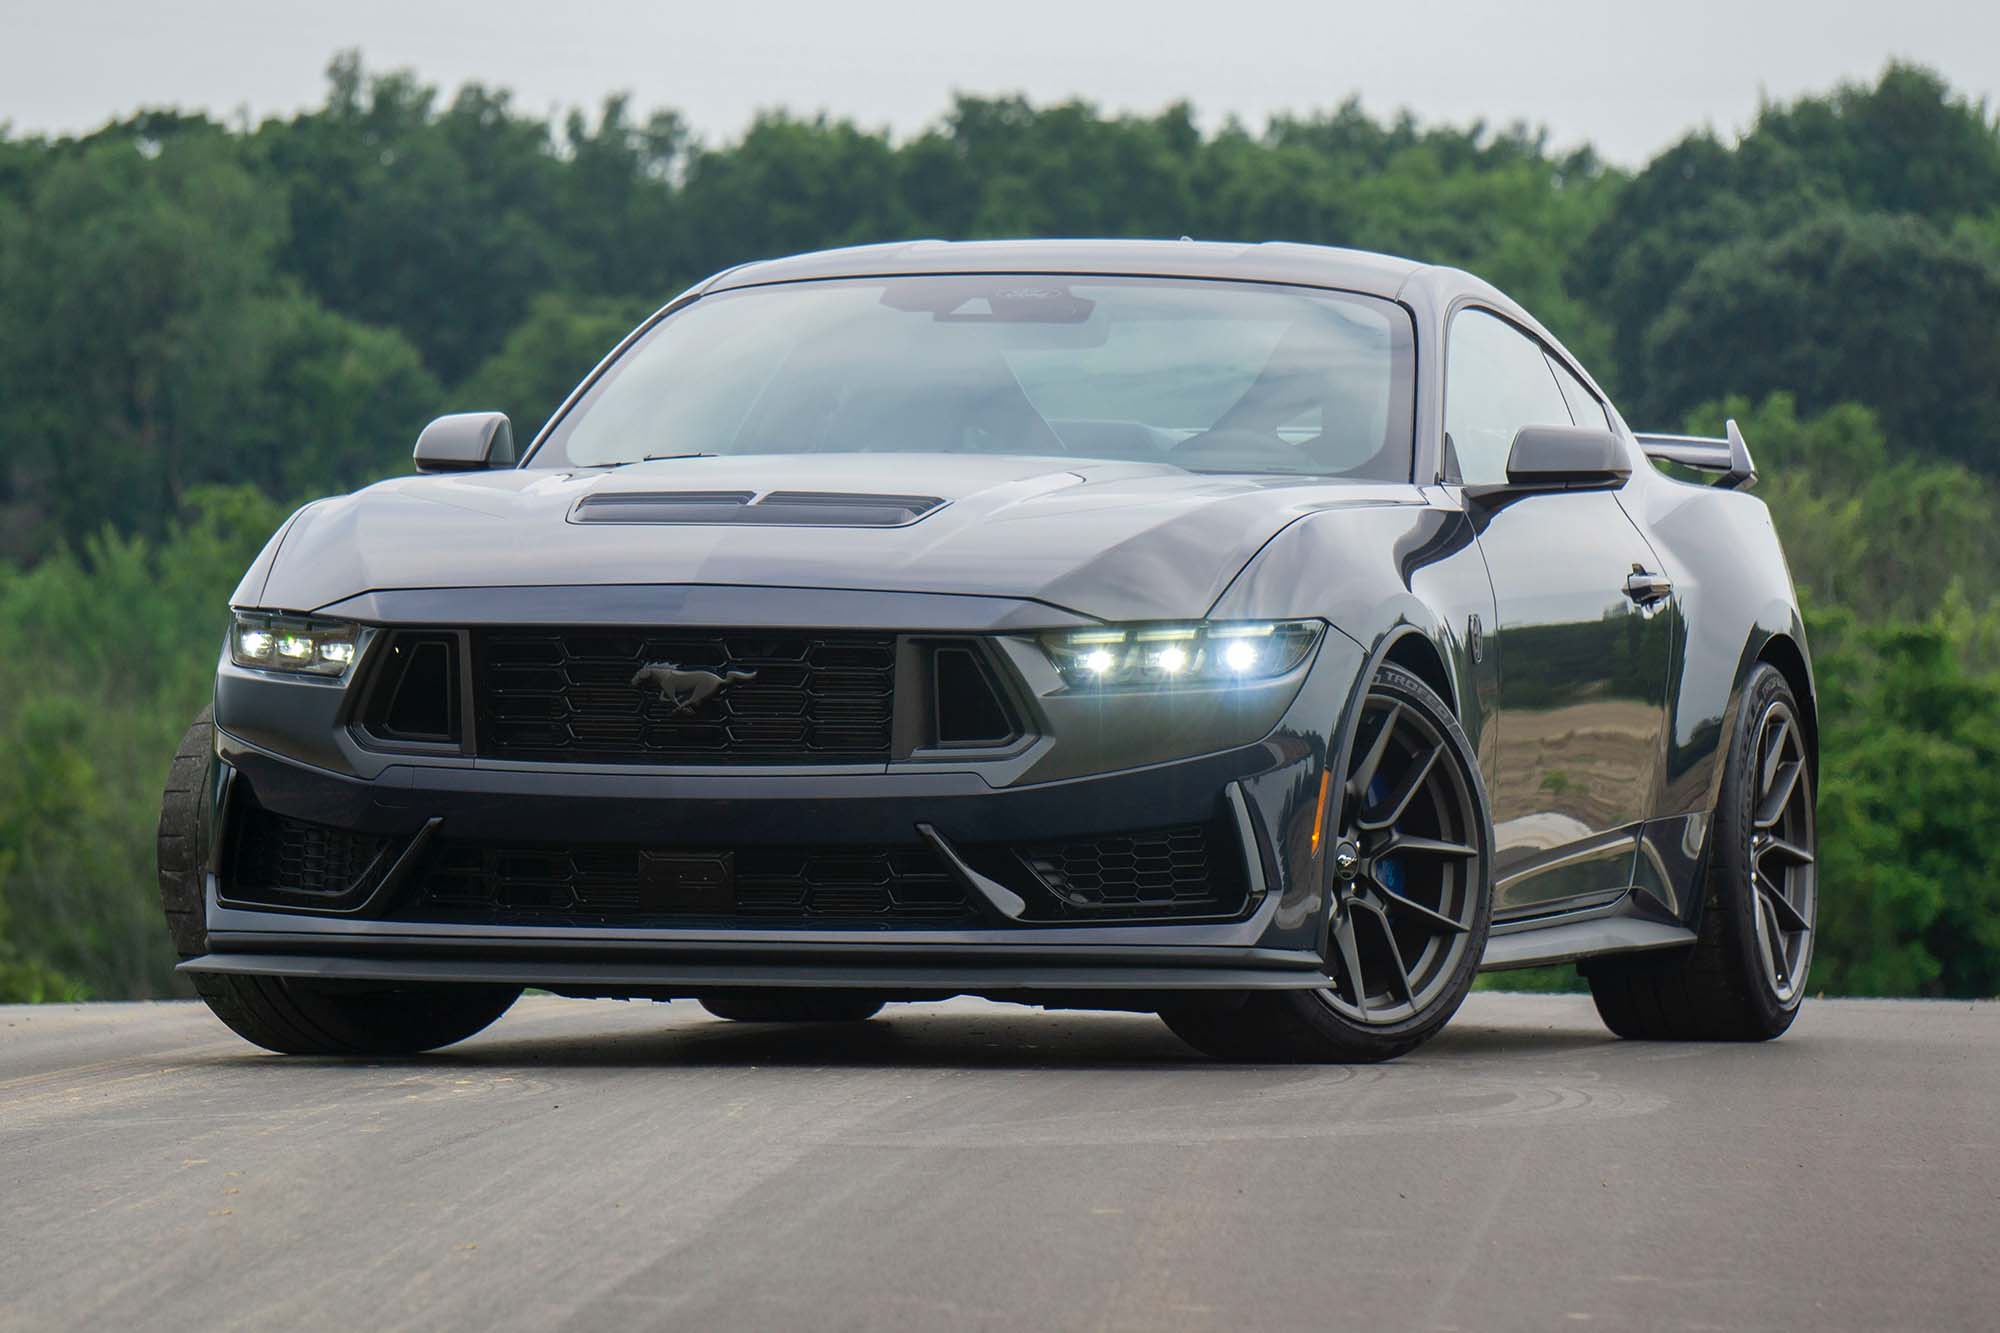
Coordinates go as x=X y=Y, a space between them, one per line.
x=1497 y=381
x=1583 y=404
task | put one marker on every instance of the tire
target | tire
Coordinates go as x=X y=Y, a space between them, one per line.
x=792 y=1006
x=182 y=845
x=294 y=1015
x=1341 y=1024
x=1723 y=988
x=304 y=1016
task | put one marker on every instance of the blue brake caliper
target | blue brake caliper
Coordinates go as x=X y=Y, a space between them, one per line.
x=1388 y=872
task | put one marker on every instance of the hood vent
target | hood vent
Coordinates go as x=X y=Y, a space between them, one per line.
x=815 y=509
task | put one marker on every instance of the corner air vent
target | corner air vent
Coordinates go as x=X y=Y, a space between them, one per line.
x=814 y=509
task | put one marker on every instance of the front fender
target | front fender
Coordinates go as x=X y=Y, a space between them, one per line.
x=1381 y=574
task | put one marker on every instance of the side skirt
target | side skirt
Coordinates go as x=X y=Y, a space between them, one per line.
x=1616 y=928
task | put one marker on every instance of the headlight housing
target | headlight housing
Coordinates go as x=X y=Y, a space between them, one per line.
x=1157 y=656
x=269 y=642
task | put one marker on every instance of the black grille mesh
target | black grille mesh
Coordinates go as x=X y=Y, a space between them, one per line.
x=1166 y=870
x=291 y=856
x=793 y=697
x=629 y=884
x=1160 y=874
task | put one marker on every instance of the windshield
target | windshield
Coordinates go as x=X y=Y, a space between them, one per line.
x=1206 y=375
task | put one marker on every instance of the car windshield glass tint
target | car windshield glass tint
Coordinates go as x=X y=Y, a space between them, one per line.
x=1205 y=375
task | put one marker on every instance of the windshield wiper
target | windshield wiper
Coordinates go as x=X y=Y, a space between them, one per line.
x=651 y=458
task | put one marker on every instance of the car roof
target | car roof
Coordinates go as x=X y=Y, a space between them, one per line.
x=1271 y=261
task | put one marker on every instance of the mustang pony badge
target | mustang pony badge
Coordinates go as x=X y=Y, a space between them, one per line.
x=688 y=690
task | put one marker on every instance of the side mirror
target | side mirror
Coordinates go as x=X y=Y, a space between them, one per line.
x=466 y=442
x=1567 y=456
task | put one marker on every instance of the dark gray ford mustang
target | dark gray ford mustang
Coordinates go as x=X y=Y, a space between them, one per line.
x=1270 y=637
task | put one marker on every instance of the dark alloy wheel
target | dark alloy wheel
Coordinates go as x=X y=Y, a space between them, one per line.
x=792 y=1006
x=1408 y=871
x=1745 y=975
x=294 y=1015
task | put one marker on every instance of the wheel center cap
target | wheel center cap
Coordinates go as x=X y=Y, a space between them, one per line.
x=1346 y=861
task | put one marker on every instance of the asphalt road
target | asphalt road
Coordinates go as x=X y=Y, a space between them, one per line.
x=966 y=1165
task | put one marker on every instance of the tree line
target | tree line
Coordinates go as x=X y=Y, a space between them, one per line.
x=203 y=323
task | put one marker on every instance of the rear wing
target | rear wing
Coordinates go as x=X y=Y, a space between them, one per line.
x=1729 y=456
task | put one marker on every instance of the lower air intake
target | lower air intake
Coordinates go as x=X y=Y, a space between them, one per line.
x=1188 y=871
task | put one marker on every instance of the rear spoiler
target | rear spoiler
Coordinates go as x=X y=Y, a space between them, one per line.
x=1729 y=456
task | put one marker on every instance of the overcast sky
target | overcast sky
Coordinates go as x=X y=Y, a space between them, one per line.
x=1629 y=77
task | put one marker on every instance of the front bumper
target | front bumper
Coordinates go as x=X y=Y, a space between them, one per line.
x=1260 y=796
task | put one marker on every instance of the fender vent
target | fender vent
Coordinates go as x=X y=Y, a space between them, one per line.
x=815 y=509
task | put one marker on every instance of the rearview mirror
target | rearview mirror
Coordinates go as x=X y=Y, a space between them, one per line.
x=1567 y=456
x=466 y=442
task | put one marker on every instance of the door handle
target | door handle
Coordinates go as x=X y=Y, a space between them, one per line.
x=1646 y=588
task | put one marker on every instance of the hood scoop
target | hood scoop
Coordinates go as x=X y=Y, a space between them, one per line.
x=812 y=509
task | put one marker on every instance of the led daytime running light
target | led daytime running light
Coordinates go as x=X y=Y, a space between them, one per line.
x=292 y=644
x=1187 y=654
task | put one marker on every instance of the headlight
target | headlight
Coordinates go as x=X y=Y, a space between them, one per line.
x=1209 y=653
x=293 y=643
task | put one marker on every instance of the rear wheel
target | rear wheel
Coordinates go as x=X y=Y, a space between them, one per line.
x=294 y=1015
x=792 y=1006
x=1746 y=973
x=1413 y=901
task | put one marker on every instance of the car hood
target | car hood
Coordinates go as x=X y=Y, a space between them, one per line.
x=1118 y=541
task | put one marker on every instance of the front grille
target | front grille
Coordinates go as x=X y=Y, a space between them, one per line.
x=1166 y=871
x=632 y=885
x=278 y=859
x=700 y=696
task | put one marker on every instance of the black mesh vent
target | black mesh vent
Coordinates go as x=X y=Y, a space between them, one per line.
x=414 y=695
x=278 y=858
x=720 y=696
x=630 y=885
x=1169 y=871
x=969 y=710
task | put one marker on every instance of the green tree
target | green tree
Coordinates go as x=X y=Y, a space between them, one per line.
x=434 y=222
x=1887 y=311
x=108 y=656
x=1904 y=146
x=130 y=328
x=1865 y=526
x=147 y=347
x=1909 y=873
x=547 y=356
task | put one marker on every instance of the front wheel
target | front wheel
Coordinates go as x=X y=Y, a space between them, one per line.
x=302 y=1016
x=1745 y=975
x=294 y=1015
x=1409 y=871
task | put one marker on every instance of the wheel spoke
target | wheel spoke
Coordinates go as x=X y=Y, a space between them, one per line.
x=1395 y=958
x=1436 y=918
x=1400 y=802
x=1405 y=842
x=1791 y=851
x=1774 y=938
x=1784 y=914
x=1371 y=763
x=1778 y=794
x=1350 y=957
x=1772 y=755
